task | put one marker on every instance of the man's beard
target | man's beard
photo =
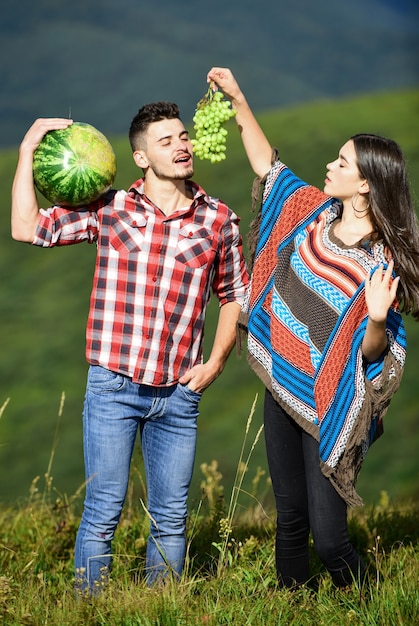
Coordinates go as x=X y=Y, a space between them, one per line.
x=177 y=175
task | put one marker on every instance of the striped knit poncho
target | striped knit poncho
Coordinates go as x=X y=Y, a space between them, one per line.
x=305 y=316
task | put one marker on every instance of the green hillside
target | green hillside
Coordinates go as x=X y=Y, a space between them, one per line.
x=103 y=59
x=44 y=303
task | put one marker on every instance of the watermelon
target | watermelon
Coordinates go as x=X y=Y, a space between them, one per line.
x=74 y=166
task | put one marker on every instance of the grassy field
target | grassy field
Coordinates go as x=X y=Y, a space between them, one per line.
x=44 y=303
x=230 y=573
x=229 y=576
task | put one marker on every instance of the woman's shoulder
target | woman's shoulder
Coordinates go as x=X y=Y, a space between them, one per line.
x=283 y=182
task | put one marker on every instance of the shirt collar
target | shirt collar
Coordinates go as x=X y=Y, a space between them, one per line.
x=137 y=189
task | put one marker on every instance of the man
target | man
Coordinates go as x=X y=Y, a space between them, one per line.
x=161 y=247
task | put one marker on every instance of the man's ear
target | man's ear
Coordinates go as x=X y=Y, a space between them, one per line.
x=140 y=159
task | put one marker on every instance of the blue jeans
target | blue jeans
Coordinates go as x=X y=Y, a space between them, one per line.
x=115 y=409
x=305 y=501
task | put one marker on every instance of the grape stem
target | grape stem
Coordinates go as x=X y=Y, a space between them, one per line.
x=206 y=98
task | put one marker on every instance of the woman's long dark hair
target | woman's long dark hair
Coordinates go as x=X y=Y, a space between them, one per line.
x=382 y=164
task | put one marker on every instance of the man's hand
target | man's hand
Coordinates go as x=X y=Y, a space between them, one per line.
x=39 y=129
x=202 y=375
x=199 y=377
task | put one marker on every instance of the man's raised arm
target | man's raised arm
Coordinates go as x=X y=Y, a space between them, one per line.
x=25 y=207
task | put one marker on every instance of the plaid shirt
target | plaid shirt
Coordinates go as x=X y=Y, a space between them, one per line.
x=153 y=277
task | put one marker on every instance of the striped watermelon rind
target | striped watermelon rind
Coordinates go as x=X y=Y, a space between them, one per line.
x=74 y=166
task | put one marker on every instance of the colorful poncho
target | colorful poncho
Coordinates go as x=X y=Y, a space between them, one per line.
x=305 y=316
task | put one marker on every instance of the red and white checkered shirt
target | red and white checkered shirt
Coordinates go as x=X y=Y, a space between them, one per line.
x=153 y=277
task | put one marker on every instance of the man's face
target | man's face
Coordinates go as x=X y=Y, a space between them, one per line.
x=168 y=150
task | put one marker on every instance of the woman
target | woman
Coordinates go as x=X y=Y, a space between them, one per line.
x=325 y=334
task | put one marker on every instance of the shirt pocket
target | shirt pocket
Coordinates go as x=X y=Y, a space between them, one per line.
x=195 y=246
x=127 y=232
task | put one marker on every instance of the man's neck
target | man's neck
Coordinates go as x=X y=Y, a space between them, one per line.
x=169 y=196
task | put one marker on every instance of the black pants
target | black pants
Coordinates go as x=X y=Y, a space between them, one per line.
x=305 y=500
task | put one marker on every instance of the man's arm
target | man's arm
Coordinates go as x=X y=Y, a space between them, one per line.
x=201 y=376
x=25 y=206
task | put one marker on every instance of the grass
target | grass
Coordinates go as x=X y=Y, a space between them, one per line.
x=229 y=576
x=234 y=585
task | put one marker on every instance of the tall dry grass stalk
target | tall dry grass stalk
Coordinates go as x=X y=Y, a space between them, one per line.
x=5 y=403
x=227 y=523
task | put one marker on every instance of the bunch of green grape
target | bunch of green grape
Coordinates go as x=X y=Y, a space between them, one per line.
x=211 y=113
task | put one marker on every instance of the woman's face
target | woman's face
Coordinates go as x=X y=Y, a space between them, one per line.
x=343 y=179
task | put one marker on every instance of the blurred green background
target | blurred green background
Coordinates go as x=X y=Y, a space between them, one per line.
x=44 y=304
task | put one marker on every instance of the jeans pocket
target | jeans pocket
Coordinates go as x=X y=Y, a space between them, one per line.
x=102 y=380
x=190 y=393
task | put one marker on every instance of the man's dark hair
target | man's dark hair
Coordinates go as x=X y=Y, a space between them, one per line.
x=149 y=113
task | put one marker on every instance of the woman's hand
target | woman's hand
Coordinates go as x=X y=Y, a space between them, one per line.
x=380 y=292
x=223 y=78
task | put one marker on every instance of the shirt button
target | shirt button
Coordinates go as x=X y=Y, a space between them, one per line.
x=154 y=279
